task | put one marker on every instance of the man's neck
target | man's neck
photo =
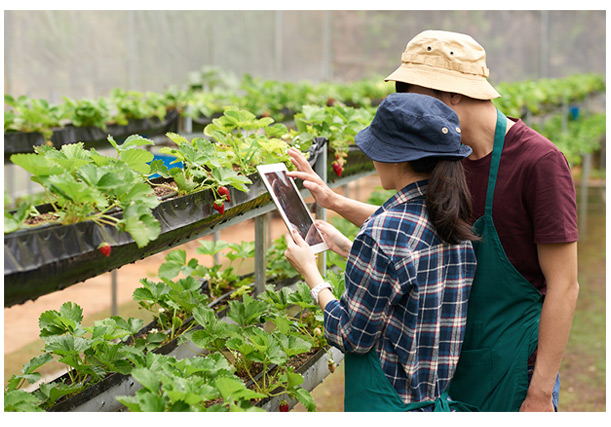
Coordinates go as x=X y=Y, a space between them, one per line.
x=480 y=128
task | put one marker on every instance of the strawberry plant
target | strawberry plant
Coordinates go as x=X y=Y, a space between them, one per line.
x=542 y=96
x=219 y=278
x=241 y=142
x=193 y=384
x=129 y=105
x=205 y=167
x=339 y=124
x=85 y=185
x=582 y=136
x=15 y=221
x=31 y=115
x=253 y=350
x=222 y=278
x=87 y=112
x=171 y=302
x=248 y=141
x=89 y=353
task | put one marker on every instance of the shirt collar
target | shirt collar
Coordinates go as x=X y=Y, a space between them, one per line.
x=410 y=192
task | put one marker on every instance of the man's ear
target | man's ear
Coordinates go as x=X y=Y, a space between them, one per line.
x=453 y=98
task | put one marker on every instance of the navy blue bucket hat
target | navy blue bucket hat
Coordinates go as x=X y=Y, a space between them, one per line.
x=410 y=126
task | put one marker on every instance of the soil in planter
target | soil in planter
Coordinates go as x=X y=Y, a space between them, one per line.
x=164 y=190
x=41 y=219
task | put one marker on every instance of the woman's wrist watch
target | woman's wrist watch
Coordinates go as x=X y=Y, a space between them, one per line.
x=316 y=290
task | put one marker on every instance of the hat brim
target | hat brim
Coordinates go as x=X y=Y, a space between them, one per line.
x=380 y=151
x=470 y=85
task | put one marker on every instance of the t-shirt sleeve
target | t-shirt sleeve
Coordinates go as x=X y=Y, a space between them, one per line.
x=553 y=206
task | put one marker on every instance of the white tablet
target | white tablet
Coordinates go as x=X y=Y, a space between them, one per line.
x=291 y=205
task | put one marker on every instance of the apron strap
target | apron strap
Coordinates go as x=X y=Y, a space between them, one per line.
x=499 y=140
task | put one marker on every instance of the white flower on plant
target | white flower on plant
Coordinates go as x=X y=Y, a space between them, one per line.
x=207 y=277
x=161 y=309
x=154 y=331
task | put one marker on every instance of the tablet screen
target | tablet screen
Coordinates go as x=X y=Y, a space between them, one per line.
x=292 y=204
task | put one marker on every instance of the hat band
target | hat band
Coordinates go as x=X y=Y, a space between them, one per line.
x=444 y=63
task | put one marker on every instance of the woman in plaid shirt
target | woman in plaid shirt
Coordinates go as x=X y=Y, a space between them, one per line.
x=401 y=320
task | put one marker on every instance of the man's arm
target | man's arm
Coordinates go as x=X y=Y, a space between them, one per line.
x=559 y=265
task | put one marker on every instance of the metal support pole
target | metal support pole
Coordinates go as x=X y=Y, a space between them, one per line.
x=216 y=236
x=583 y=206
x=8 y=52
x=544 y=53
x=260 y=248
x=131 y=49
x=320 y=167
x=113 y=293
x=278 y=44
x=268 y=224
x=327 y=69
x=186 y=122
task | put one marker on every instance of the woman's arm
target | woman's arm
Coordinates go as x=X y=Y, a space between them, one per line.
x=354 y=211
x=336 y=241
x=303 y=259
x=354 y=323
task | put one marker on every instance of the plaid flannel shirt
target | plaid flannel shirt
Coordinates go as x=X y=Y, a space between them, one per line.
x=406 y=297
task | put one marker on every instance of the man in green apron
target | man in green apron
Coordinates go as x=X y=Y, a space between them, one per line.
x=525 y=288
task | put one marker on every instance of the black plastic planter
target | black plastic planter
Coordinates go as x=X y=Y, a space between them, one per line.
x=21 y=142
x=144 y=127
x=45 y=259
x=314 y=371
x=24 y=142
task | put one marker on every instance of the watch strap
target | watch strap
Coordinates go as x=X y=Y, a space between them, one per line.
x=316 y=290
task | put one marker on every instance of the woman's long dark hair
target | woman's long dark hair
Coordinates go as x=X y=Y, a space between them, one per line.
x=448 y=199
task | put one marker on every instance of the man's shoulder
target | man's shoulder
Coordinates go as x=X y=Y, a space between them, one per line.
x=529 y=141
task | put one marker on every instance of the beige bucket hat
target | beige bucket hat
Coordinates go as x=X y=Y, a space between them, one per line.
x=445 y=61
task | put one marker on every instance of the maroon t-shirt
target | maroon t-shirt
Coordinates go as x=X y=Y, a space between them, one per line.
x=534 y=198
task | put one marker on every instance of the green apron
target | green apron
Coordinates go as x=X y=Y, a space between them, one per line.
x=502 y=318
x=367 y=389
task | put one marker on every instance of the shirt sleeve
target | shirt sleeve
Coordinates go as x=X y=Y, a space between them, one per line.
x=553 y=208
x=355 y=321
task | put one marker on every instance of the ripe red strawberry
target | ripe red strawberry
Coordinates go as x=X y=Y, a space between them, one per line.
x=104 y=248
x=219 y=207
x=223 y=191
x=337 y=168
x=284 y=406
